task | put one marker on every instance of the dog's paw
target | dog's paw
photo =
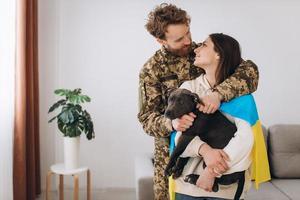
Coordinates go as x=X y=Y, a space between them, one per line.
x=191 y=178
x=168 y=172
x=215 y=187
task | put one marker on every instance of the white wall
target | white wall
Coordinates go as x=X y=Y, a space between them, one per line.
x=7 y=85
x=48 y=80
x=100 y=47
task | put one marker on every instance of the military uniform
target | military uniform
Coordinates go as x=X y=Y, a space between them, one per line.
x=162 y=72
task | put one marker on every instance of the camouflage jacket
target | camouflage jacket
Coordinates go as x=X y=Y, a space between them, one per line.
x=165 y=70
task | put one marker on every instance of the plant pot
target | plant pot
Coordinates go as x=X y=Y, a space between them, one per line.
x=71 y=152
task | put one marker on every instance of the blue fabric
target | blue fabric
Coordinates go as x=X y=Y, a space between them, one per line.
x=172 y=141
x=243 y=107
x=179 y=196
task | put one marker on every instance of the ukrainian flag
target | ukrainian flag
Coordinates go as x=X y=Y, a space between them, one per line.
x=243 y=107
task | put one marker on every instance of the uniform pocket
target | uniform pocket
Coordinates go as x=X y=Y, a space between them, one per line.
x=142 y=96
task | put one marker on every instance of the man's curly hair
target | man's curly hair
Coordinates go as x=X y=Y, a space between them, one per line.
x=164 y=15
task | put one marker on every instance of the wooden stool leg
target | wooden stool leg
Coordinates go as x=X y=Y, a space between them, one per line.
x=61 y=187
x=76 y=186
x=88 y=185
x=48 y=185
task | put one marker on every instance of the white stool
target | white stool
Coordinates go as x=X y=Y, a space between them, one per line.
x=61 y=171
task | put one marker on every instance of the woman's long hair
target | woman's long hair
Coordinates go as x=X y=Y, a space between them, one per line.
x=230 y=55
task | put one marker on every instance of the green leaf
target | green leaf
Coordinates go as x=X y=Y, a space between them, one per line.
x=77 y=99
x=77 y=91
x=66 y=116
x=70 y=117
x=71 y=99
x=61 y=126
x=86 y=98
x=52 y=119
x=57 y=104
x=61 y=92
x=81 y=99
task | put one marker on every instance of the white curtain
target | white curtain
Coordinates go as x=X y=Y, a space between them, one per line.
x=7 y=68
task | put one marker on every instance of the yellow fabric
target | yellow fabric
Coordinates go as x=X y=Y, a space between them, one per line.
x=260 y=165
x=171 y=188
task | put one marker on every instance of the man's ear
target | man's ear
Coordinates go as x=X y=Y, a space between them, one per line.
x=161 y=41
x=217 y=56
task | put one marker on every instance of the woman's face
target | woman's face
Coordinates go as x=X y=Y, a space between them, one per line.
x=206 y=55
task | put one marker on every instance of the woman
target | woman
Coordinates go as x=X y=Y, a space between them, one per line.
x=219 y=55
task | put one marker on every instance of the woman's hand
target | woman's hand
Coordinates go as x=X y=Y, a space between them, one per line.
x=211 y=103
x=214 y=159
x=184 y=122
x=206 y=180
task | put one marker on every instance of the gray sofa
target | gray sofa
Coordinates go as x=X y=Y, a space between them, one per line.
x=283 y=144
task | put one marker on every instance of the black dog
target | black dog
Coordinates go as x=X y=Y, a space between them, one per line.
x=214 y=129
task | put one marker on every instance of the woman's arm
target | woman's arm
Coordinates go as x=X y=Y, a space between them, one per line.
x=240 y=146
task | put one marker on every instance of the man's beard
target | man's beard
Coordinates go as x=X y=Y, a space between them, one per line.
x=184 y=51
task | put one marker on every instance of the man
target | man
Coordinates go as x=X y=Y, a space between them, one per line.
x=168 y=68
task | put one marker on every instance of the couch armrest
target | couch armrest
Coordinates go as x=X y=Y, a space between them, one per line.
x=144 y=177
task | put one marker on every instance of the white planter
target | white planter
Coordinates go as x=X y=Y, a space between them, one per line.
x=71 y=152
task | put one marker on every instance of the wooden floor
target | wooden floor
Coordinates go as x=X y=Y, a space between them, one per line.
x=103 y=194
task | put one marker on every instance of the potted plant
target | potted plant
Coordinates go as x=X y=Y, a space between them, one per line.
x=72 y=120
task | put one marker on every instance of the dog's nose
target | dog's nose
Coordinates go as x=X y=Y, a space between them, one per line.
x=167 y=113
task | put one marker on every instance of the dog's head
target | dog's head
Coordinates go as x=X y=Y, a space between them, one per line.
x=181 y=102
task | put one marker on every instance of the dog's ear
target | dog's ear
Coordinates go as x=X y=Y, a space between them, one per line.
x=169 y=91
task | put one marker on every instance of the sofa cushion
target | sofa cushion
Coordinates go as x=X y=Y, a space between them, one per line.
x=265 y=132
x=284 y=151
x=266 y=191
x=290 y=187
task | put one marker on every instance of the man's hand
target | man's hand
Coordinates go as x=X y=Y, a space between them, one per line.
x=211 y=103
x=184 y=122
x=206 y=180
x=214 y=159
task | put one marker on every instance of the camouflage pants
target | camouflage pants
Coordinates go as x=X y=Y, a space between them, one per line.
x=161 y=159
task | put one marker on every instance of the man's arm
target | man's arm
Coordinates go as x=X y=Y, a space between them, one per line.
x=243 y=81
x=151 y=107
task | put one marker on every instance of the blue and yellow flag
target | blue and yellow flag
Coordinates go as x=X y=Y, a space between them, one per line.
x=243 y=107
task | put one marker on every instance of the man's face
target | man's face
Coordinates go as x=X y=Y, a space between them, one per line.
x=178 y=39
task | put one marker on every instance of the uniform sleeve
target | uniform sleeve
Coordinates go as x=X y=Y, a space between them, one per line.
x=243 y=81
x=240 y=146
x=151 y=107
